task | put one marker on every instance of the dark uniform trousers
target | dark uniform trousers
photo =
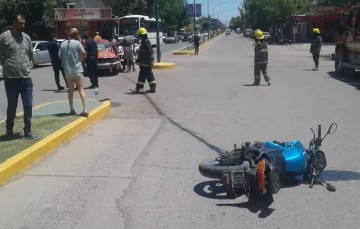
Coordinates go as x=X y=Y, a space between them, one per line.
x=263 y=69
x=91 y=68
x=146 y=73
x=316 y=56
x=57 y=67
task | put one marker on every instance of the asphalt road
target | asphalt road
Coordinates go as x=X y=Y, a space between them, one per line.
x=139 y=167
x=45 y=87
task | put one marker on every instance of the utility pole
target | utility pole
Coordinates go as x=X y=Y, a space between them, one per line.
x=194 y=17
x=208 y=19
x=157 y=32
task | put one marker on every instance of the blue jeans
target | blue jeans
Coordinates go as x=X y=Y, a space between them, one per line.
x=14 y=88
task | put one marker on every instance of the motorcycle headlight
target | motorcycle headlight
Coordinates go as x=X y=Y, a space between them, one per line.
x=319 y=161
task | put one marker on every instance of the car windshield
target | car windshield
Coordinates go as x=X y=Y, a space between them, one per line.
x=170 y=34
x=104 y=46
x=33 y=44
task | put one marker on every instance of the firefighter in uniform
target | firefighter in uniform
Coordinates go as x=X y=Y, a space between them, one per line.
x=316 y=47
x=261 y=58
x=145 y=60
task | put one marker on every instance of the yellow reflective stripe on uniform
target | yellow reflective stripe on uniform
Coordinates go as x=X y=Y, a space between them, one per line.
x=145 y=65
x=141 y=83
x=263 y=50
x=153 y=82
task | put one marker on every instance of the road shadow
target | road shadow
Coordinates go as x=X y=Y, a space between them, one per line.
x=308 y=70
x=63 y=114
x=340 y=175
x=4 y=138
x=251 y=85
x=215 y=190
x=261 y=204
x=211 y=189
x=350 y=79
x=55 y=91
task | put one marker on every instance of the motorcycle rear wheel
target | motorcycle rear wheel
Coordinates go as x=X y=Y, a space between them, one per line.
x=214 y=169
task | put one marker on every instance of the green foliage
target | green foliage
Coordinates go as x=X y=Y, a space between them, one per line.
x=236 y=22
x=261 y=13
x=38 y=13
x=337 y=2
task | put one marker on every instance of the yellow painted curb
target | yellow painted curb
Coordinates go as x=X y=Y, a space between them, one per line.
x=21 y=161
x=163 y=65
x=178 y=52
x=183 y=52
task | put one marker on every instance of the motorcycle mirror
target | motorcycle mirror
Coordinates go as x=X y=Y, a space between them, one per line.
x=332 y=129
x=330 y=187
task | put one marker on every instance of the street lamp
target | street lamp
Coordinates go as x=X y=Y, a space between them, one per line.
x=157 y=32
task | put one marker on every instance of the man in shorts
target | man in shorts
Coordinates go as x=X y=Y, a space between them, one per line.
x=72 y=54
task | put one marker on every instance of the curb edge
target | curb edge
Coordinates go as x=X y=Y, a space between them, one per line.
x=31 y=155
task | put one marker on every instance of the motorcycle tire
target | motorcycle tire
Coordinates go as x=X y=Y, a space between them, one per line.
x=214 y=169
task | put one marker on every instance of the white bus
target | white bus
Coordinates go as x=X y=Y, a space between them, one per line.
x=132 y=23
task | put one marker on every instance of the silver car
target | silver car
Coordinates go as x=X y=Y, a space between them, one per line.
x=41 y=53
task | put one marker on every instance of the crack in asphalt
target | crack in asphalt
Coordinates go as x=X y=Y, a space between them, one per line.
x=179 y=126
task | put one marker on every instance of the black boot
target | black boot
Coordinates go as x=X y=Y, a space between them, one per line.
x=152 y=90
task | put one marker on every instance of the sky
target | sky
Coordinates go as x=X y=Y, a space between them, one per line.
x=225 y=8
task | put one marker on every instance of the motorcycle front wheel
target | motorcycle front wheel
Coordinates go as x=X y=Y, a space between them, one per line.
x=214 y=169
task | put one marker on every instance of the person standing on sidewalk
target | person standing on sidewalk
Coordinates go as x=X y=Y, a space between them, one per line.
x=56 y=62
x=196 y=43
x=145 y=60
x=72 y=54
x=261 y=58
x=16 y=53
x=129 y=47
x=91 y=61
x=316 y=47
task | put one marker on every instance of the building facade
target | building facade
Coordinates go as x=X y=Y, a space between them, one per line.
x=88 y=3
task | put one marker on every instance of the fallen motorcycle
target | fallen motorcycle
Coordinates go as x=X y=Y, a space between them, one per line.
x=260 y=168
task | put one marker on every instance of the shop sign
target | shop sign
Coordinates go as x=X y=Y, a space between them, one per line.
x=82 y=13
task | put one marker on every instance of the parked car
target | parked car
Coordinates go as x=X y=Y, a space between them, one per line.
x=41 y=53
x=266 y=36
x=186 y=37
x=171 y=37
x=121 y=50
x=108 y=58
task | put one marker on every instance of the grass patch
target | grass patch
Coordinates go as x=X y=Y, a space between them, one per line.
x=42 y=126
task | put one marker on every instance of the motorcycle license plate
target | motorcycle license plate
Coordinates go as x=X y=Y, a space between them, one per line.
x=238 y=179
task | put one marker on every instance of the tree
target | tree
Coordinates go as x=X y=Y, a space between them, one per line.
x=337 y=2
x=38 y=13
x=261 y=13
x=173 y=14
x=124 y=7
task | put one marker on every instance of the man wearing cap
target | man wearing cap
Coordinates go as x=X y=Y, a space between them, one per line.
x=316 y=47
